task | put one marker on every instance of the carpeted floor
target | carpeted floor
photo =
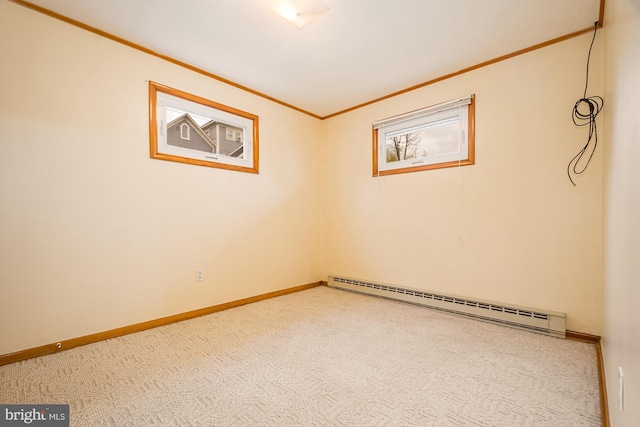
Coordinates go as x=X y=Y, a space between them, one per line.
x=321 y=357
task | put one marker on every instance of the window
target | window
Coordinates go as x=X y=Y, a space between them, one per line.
x=439 y=136
x=189 y=129
x=234 y=134
x=184 y=131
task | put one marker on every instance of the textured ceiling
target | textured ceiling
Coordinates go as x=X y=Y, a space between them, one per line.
x=358 y=51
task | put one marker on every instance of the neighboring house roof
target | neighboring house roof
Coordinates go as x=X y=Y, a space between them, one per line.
x=187 y=118
x=226 y=146
x=237 y=152
x=215 y=122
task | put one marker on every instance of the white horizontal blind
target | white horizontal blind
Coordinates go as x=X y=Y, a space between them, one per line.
x=455 y=103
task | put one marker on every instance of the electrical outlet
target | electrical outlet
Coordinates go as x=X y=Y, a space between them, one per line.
x=199 y=275
x=621 y=388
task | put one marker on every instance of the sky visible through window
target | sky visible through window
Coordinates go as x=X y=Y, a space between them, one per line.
x=436 y=139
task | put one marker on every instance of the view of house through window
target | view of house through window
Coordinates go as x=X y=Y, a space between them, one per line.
x=189 y=129
x=209 y=134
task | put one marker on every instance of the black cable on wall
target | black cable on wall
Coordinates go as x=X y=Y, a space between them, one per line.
x=584 y=113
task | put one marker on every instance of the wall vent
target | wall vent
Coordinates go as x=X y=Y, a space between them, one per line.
x=541 y=321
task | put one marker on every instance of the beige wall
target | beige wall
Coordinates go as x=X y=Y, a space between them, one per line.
x=96 y=235
x=621 y=336
x=511 y=228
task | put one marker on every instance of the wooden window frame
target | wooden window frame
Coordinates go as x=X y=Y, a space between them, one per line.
x=233 y=116
x=470 y=137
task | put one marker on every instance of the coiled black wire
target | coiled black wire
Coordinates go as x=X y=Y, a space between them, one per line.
x=581 y=118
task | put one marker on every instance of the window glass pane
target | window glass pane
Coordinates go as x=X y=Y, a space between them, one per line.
x=433 y=139
x=201 y=133
x=430 y=138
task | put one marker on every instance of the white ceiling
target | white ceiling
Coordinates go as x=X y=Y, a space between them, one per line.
x=358 y=51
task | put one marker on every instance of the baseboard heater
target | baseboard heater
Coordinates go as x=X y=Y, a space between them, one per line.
x=541 y=321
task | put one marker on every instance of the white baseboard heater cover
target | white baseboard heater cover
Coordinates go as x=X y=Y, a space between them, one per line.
x=541 y=321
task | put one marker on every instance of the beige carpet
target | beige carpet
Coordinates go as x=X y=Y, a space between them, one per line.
x=321 y=357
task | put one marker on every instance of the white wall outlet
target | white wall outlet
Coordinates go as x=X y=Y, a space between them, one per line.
x=199 y=275
x=621 y=388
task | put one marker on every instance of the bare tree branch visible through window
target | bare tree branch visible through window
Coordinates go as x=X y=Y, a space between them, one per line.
x=403 y=147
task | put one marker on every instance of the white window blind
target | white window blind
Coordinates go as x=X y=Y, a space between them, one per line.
x=455 y=103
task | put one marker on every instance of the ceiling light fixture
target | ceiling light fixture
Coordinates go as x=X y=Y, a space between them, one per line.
x=299 y=12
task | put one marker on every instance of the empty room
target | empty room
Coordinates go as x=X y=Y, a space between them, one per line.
x=319 y=212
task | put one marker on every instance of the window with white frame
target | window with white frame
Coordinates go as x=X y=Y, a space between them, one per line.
x=190 y=129
x=435 y=137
